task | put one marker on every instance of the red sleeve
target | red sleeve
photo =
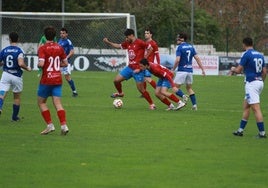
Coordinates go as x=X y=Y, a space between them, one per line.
x=154 y=56
x=157 y=56
x=124 y=45
x=40 y=52
x=170 y=79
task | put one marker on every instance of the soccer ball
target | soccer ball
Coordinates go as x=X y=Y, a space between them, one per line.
x=118 y=103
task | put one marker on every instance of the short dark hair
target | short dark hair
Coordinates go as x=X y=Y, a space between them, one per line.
x=50 y=33
x=14 y=37
x=248 y=41
x=150 y=30
x=182 y=35
x=64 y=29
x=129 y=32
x=144 y=62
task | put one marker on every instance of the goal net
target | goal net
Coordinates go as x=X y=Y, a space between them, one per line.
x=86 y=31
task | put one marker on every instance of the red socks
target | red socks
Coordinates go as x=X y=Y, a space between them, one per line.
x=153 y=84
x=166 y=101
x=46 y=116
x=62 y=116
x=147 y=96
x=118 y=86
x=174 y=98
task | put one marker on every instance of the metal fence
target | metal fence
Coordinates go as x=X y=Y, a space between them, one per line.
x=86 y=30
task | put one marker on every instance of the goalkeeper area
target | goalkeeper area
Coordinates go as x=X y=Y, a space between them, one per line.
x=86 y=30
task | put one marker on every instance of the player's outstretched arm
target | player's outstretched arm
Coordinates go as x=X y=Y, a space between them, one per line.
x=115 y=45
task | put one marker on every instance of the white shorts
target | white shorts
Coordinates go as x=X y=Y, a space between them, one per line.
x=253 y=91
x=9 y=81
x=66 y=70
x=183 y=78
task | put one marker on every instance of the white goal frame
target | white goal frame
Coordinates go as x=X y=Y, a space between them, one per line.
x=86 y=31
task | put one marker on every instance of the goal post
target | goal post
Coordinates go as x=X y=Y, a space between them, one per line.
x=85 y=30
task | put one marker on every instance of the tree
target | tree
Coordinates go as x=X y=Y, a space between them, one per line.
x=238 y=19
x=216 y=22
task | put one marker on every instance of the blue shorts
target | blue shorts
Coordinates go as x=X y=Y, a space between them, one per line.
x=128 y=73
x=147 y=73
x=45 y=91
x=163 y=82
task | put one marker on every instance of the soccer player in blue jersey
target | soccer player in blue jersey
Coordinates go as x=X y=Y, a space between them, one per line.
x=69 y=50
x=253 y=65
x=12 y=60
x=183 y=65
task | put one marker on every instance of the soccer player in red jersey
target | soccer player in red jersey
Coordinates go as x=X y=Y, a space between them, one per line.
x=51 y=57
x=164 y=83
x=152 y=54
x=136 y=51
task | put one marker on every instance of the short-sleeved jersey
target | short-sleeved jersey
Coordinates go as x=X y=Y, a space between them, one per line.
x=253 y=63
x=67 y=46
x=161 y=72
x=9 y=56
x=186 y=52
x=135 y=51
x=52 y=54
x=154 y=56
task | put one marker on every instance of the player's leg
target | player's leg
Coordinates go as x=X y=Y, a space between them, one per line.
x=164 y=91
x=145 y=94
x=2 y=96
x=4 y=88
x=139 y=78
x=118 y=83
x=259 y=119
x=254 y=101
x=190 y=91
x=43 y=93
x=192 y=96
x=124 y=74
x=163 y=99
x=17 y=87
x=148 y=78
x=244 y=120
x=165 y=85
x=56 y=98
x=16 y=107
x=67 y=74
x=180 y=80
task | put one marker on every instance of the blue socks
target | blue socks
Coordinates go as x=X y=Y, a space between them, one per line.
x=71 y=83
x=193 y=99
x=1 y=103
x=260 y=126
x=16 y=109
x=243 y=124
x=180 y=93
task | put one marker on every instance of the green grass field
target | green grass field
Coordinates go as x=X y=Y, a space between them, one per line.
x=133 y=146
